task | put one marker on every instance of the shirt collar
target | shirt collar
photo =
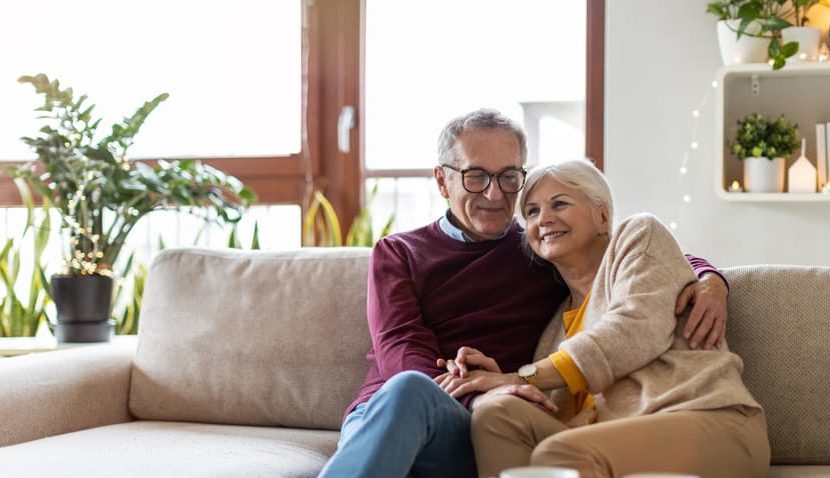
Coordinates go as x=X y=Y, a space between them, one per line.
x=450 y=229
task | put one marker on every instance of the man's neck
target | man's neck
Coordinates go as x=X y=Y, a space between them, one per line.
x=450 y=226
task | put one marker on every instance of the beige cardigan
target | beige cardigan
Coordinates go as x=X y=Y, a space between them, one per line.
x=631 y=350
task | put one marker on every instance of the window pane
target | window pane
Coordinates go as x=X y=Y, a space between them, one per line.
x=232 y=69
x=428 y=64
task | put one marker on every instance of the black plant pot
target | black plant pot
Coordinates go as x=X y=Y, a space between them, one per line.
x=83 y=304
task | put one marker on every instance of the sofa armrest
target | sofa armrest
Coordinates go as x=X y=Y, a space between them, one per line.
x=64 y=391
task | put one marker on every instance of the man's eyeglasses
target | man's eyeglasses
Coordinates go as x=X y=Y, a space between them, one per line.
x=475 y=180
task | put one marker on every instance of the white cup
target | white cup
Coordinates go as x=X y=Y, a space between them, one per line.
x=539 y=472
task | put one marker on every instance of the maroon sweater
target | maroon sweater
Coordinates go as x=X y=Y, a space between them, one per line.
x=430 y=294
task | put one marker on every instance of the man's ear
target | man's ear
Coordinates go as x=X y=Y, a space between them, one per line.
x=438 y=172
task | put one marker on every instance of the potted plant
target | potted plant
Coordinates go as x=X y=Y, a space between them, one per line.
x=807 y=37
x=763 y=145
x=747 y=27
x=101 y=195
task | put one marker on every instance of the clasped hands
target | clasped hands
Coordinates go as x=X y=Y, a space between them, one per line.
x=472 y=371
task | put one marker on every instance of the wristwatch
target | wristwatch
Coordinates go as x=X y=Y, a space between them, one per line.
x=528 y=374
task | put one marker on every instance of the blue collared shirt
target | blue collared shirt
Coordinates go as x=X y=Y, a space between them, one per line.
x=448 y=228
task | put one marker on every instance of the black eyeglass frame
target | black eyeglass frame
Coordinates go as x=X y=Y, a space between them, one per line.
x=490 y=177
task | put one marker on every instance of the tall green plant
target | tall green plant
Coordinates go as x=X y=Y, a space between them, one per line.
x=321 y=228
x=99 y=192
x=21 y=314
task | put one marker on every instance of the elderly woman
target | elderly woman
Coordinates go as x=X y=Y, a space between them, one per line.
x=631 y=395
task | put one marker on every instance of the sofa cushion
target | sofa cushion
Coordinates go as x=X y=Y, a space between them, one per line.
x=252 y=338
x=142 y=449
x=779 y=323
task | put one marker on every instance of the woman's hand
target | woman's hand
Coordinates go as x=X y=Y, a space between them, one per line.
x=475 y=381
x=466 y=359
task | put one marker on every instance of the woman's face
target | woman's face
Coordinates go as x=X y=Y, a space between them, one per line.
x=562 y=223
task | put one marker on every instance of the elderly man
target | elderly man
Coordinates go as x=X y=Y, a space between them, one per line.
x=463 y=280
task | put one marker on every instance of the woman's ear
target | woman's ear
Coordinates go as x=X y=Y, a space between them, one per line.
x=602 y=218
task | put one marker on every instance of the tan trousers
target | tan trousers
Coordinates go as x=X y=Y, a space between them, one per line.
x=508 y=431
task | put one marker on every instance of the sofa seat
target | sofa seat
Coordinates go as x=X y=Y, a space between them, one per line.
x=156 y=449
x=799 y=471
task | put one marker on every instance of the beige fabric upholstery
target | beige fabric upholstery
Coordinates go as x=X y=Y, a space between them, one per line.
x=60 y=392
x=779 y=323
x=786 y=471
x=252 y=338
x=159 y=449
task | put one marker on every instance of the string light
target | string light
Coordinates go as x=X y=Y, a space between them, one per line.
x=694 y=146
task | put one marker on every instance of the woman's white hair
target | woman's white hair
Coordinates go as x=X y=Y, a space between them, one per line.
x=580 y=174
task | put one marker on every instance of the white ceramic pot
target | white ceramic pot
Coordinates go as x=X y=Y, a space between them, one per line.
x=808 y=38
x=763 y=175
x=747 y=49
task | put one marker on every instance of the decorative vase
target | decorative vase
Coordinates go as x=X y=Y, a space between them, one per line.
x=764 y=175
x=809 y=40
x=747 y=49
x=83 y=304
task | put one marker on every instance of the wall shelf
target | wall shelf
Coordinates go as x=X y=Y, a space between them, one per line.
x=801 y=91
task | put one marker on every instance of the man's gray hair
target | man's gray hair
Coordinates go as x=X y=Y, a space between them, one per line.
x=580 y=174
x=479 y=119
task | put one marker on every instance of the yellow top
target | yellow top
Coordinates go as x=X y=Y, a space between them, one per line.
x=573 y=320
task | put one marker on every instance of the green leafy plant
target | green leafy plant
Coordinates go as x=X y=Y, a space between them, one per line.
x=128 y=295
x=772 y=16
x=100 y=193
x=321 y=228
x=756 y=136
x=22 y=314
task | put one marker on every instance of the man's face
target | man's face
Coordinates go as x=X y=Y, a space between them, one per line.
x=487 y=214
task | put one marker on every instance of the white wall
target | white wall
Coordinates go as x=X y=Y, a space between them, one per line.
x=661 y=56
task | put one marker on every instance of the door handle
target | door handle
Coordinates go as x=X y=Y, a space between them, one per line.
x=345 y=123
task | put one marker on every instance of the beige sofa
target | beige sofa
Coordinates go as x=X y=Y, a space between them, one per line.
x=246 y=360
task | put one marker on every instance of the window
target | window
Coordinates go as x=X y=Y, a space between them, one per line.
x=232 y=69
x=250 y=52
x=427 y=64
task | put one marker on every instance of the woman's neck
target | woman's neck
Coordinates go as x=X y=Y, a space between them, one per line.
x=579 y=270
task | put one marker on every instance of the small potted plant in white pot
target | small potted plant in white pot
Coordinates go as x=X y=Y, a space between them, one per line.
x=749 y=31
x=101 y=195
x=739 y=41
x=807 y=37
x=763 y=145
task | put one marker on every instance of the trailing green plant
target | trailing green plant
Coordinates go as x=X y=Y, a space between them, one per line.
x=22 y=313
x=321 y=228
x=756 y=136
x=100 y=193
x=771 y=16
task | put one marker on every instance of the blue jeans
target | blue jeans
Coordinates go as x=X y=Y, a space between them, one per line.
x=410 y=427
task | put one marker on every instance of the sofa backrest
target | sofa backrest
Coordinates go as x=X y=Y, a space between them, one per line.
x=252 y=338
x=779 y=323
x=279 y=339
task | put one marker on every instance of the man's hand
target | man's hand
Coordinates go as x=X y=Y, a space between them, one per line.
x=706 y=325
x=475 y=381
x=526 y=391
x=466 y=359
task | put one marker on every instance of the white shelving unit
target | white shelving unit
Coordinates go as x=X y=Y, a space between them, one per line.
x=800 y=91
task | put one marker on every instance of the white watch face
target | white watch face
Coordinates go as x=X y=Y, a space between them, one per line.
x=528 y=370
